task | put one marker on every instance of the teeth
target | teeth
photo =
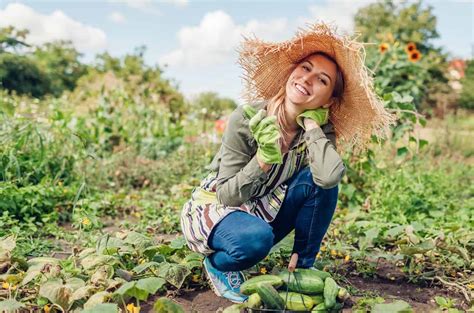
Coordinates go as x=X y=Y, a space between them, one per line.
x=301 y=89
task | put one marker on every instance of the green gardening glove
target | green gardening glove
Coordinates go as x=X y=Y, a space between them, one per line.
x=320 y=116
x=265 y=131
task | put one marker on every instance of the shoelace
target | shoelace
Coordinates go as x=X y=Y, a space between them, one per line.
x=234 y=279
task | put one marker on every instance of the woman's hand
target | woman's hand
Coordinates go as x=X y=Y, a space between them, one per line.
x=267 y=134
x=310 y=119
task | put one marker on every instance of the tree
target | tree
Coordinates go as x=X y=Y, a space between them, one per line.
x=404 y=22
x=466 y=99
x=60 y=62
x=208 y=105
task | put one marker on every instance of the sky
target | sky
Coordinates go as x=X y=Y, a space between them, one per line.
x=195 y=42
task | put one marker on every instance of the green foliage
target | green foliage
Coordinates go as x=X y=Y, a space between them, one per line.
x=60 y=63
x=407 y=22
x=22 y=74
x=466 y=99
x=395 y=25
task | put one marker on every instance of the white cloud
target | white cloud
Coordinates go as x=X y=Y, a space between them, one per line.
x=116 y=17
x=142 y=5
x=55 y=26
x=180 y=3
x=340 y=13
x=216 y=38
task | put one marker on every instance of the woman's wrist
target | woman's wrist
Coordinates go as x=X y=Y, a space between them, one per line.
x=264 y=166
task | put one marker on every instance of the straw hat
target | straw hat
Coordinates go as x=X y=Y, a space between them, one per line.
x=358 y=114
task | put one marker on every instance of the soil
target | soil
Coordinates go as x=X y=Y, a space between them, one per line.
x=420 y=298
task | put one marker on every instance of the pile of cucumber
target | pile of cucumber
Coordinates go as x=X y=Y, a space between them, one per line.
x=308 y=290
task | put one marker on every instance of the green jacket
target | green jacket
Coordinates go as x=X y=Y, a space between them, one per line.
x=238 y=172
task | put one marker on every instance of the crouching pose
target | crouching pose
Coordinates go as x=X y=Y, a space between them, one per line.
x=278 y=168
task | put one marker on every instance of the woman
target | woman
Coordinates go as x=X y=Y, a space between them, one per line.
x=278 y=168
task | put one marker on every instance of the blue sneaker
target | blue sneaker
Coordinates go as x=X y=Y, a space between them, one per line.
x=225 y=284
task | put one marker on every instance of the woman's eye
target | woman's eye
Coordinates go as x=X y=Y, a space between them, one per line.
x=323 y=81
x=306 y=68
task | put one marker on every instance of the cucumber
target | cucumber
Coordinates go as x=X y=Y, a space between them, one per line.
x=303 y=281
x=165 y=305
x=330 y=292
x=320 y=308
x=317 y=299
x=234 y=308
x=250 y=286
x=297 y=301
x=343 y=294
x=254 y=301
x=306 y=271
x=270 y=297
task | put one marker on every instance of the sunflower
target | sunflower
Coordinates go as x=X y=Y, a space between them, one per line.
x=383 y=47
x=410 y=47
x=414 y=56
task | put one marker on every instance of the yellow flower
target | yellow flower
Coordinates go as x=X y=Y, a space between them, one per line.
x=333 y=253
x=86 y=221
x=318 y=256
x=336 y=232
x=195 y=278
x=323 y=249
x=47 y=308
x=5 y=285
x=13 y=287
x=263 y=270
x=414 y=56
x=347 y=258
x=132 y=308
x=383 y=47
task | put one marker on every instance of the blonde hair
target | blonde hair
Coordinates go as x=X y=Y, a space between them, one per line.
x=276 y=106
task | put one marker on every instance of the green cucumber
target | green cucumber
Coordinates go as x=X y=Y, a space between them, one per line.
x=250 y=286
x=320 y=308
x=330 y=292
x=303 y=281
x=297 y=301
x=270 y=297
x=311 y=272
x=317 y=299
x=254 y=301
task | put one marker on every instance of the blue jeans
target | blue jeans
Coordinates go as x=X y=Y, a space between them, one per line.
x=241 y=240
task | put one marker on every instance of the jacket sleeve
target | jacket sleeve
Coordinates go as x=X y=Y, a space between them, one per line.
x=325 y=163
x=239 y=173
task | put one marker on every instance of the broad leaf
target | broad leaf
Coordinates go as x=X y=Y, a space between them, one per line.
x=138 y=240
x=178 y=243
x=56 y=292
x=102 y=308
x=10 y=305
x=175 y=274
x=150 y=284
x=97 y=298
x=143 y=267
x=398 y=306
x=92 y=261
x=108 y=245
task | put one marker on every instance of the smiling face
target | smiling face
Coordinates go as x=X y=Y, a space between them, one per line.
x=311 y=83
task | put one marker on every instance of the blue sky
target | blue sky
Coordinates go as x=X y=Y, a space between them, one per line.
x=197 y=39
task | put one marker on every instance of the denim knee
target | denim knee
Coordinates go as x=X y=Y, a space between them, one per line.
x=255 y=245
x=304 y=180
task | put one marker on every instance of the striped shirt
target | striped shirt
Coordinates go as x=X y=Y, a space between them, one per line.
x=236 y=181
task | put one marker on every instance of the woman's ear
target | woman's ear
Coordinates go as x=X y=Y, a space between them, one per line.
x=331 y=101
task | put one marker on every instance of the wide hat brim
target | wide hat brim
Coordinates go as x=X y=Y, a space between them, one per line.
x=357 y=116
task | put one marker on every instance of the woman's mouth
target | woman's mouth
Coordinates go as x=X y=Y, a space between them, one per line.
x=301 y=89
